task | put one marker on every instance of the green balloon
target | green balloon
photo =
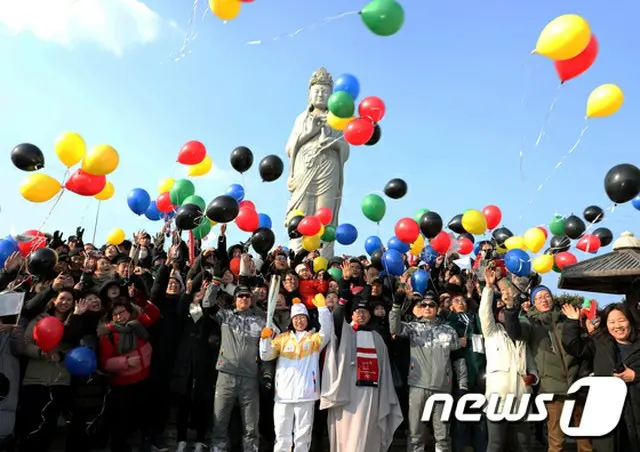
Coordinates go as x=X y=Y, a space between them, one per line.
x=203 y=229
x=419 y=213
x=556 y=269
x=557 y=225
x=374 y=207
x=335 y=273
x=329 y=233
x=195 y=199
x=341 y=104
x=181 y=190
x=383 y=17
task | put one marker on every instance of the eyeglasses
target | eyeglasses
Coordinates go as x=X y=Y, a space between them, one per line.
x=243 y=295
x=118 y=313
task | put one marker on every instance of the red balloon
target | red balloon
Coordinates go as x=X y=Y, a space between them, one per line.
x=465 y=246
x=192 y=153
x=85 y=184
x=48 y=333
x=589 y=243
x=441 y=242
x=407 y=230
x=493 y=216
x=247 y=204
x=163 y=203
x=573 y=67
x=565 y=259
x=309 y=226
x=324 y=214
x=234 y=266
x=359 y=131
x=544 y=231
x=372 y=107
x=39 y=241
x=248 y=219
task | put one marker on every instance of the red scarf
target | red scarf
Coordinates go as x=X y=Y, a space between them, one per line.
x=368 y=370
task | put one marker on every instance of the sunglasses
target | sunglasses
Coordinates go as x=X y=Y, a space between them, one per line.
x=243 y=295
x=429 y=305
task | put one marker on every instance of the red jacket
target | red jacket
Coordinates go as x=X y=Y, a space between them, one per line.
x=309 y=288
x=117 y=365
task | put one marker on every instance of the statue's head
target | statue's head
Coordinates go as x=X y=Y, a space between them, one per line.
x=320 y=88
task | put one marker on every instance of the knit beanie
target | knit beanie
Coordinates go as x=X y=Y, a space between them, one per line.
x=298 y=308
x=538 y=289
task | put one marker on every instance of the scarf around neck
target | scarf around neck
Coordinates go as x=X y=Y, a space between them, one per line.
x=129 y=333
x=367 y=369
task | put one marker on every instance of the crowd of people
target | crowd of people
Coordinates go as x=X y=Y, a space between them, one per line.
x=343 y=363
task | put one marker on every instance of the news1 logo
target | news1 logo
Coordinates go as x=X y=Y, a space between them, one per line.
x=606 y=395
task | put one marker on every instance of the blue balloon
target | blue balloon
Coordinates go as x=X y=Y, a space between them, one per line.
x=429 y=256
x=81 y=362
x=394 y=243
x=636 y=202
x=138 y=201
x=7 y=248
x=373 y=244
x=236 y=191
x=393 y=262
x=153 y=213
x=346 y=234
x=265 y=221
x=476 y=249
x=11 y=239
x=420 y=281
x=349 y=84
x=518 y=262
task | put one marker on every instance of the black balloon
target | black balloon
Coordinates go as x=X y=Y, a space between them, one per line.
x=622 y=183
x=395 y=188
x=593 y=214
x=223 y=209
x=559 y=244
x=263 y=240
x=376 y=259
x=501 y=235
x=549 y=251
x=466 y=235
x=42 y=262
x=292 y=227
x=430 y=224
x=27 y=157
x=270 y=168
x=574 y=227
x=456 y=224
x=377 y=133
x=188 y=217
x=605 y=236
x=241 y=159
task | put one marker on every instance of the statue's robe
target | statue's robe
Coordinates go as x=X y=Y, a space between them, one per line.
x=360 y=418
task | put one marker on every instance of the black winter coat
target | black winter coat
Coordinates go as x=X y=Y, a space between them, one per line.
x=600 y=349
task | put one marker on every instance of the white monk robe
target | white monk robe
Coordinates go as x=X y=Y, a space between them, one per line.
x=360 y=418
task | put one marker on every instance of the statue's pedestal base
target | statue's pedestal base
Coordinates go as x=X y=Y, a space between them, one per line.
x=326 y=251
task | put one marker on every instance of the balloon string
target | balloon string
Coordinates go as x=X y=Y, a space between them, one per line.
x=44 y=409
x=557 y=166
x=547 y=118
x=299 y=30
x=95 y=223
x=84 y=213
x=55 y=203
x=189 y=35
x=524 y=102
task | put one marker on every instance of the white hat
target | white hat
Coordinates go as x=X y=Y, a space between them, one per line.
x=298 y=309
x=301 y=267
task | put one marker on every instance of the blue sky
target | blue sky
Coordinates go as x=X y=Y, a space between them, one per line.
x=453 y=80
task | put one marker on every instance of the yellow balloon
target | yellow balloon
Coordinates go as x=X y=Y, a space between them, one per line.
x=295 y=213
x=202 y=168
x=106 y=193
x=543 y=263
x=564 y=37
x=116 y=237
x=319 y=264
x=515 y=243
x=338 y=123
x=321 y=233
x=500 y=250
x=165 y=185
x=310 y=243
x=39 y=187
x=225 y=9
x=605 y=100
x=534 y=239
x=213 y=223
x=474 y=222
x=70 y=148
x=417 y=246
x=101 y=160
